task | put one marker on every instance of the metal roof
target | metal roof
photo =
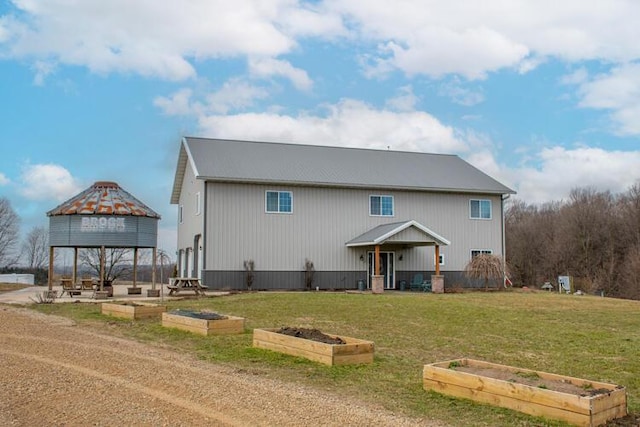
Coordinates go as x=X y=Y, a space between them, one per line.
x=104 y=198
x=378 y=235
x=297 y=164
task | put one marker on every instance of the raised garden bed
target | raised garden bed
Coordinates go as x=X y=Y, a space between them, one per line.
x=350 y=351
x=130 y=310
x=574 y=400
x=203 y=323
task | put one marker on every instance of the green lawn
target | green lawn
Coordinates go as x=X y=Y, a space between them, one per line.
x=581 y=336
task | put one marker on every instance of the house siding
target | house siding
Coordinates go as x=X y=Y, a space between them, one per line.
x=322 y=221
x=192 y=224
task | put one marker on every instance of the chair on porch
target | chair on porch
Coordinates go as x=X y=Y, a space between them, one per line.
x=418 y=283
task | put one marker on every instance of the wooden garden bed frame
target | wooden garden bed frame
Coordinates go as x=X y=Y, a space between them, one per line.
x=132 y=310
x=354 y=351
x=589 y=410
x=228 y=325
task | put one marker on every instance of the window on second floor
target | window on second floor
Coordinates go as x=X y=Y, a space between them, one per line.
x=480 y=209
x=198 y=205
x=180 y=217
x=476 y=252
x=279 y=202
x=381 y=205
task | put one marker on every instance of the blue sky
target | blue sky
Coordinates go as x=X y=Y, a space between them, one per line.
x=542 y=95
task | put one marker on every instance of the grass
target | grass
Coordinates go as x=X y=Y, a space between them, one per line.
x=587 y=337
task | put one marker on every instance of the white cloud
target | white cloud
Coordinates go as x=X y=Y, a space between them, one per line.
x=348 y=123
x=579 y=76
x=235 y=94
x=268 y=67
x=177 y=104
x=3 y=179
x=159 y=39
x=562 y=169
x=42 y=70
x=473 y=38
x=47 y=182
x=619 y=92
x=406 y=100
x=459 y=94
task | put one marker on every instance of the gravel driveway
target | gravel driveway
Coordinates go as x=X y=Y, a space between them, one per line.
x=53 y=372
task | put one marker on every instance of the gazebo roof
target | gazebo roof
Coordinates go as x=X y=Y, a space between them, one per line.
x=104 y=198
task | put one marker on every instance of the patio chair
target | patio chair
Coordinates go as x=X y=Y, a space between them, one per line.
x=418 y=283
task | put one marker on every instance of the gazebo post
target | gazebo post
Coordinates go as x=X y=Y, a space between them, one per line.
x=135 y=266
x=101 y=268
x=153 y=292
x=153 y=270
x=50 y=278
x=74 y=277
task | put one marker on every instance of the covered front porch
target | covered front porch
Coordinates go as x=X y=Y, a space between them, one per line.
x=386 y=244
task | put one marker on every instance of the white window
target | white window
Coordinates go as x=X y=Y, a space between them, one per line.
x=480 y=209
x=476 y=252
x=198 y=203
x=180 y=217
x=440 y=258
x=278 y=202
x=381 y=205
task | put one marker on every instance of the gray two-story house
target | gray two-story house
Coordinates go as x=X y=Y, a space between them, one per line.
x=342 y=209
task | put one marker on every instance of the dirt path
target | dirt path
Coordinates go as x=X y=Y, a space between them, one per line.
x=55 y=373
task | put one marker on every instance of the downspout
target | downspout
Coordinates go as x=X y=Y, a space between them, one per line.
x=504 y=244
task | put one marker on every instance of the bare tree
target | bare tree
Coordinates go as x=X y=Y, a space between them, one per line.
x=35 y=247
x=486 y=268
x=9 y=233
x=117 y=261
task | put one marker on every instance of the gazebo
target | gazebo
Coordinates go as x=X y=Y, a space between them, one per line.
x=103 y=216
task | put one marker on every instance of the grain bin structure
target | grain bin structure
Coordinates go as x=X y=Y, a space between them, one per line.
x=103 y=216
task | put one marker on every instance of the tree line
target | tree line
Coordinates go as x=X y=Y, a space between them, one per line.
x=594 y=237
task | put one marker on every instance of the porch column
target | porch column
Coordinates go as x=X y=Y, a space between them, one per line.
x=437 y=280
x=377 y=281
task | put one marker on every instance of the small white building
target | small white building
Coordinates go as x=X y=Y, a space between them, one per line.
x=25 y=279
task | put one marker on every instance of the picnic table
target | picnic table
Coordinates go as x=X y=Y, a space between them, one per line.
x=179 y=284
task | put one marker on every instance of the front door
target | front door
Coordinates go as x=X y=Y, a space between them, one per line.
x=387 y=269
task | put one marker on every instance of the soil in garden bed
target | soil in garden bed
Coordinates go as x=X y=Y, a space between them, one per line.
x=205 y=315
x=532 y=379
x=311 y=334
